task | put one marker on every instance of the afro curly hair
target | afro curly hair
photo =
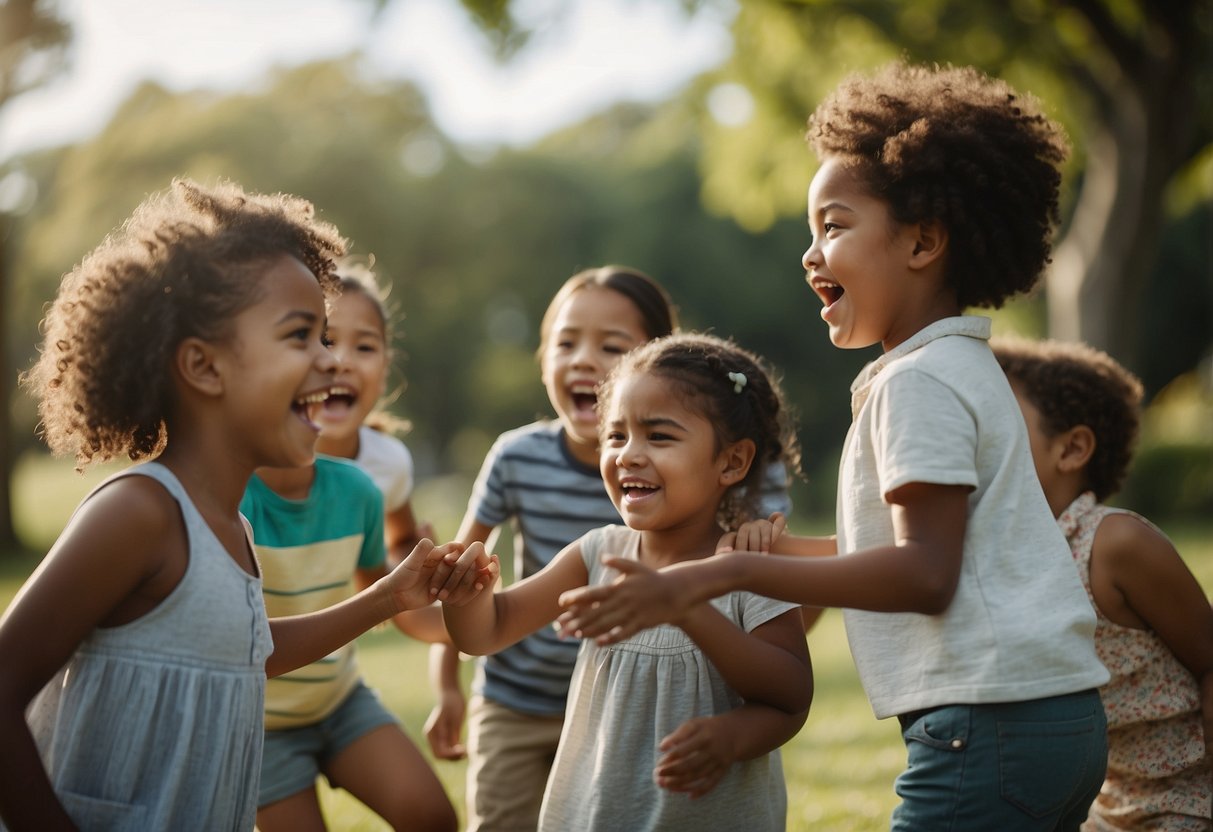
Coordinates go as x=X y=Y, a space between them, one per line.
x=1073 y=384
x=185 y=263
x=952 y=145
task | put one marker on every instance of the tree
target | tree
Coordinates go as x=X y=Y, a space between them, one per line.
x=33 y=49
x=1132 y=80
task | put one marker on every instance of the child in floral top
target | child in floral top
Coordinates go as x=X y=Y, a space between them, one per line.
x=1155 y=625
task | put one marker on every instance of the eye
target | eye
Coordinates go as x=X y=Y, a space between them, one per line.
x=615 y=436
x=614 y=349
x=830 y=226
x=658 y=436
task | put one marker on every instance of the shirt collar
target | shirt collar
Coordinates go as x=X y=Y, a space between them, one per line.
x=971 y=326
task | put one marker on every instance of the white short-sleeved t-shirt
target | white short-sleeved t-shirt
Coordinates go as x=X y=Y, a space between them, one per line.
x=389 y=463
x=938 y=409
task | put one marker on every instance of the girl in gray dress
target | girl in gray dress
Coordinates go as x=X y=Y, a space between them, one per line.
x=679 y=727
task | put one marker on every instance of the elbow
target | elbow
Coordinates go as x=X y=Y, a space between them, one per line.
x=934 y=596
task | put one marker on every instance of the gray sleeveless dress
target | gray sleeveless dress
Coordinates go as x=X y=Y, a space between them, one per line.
x=157 y=724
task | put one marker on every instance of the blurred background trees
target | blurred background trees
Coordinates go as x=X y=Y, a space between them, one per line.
x=704 y=191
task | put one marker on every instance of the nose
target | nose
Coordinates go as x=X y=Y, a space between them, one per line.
x=327 y=361
x=583 y=356
x=630 y=455
x=811 y=256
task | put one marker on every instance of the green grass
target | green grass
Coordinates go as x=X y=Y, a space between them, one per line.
x=839 y=769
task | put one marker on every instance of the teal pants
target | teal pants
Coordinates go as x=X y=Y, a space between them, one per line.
x=1034 y=765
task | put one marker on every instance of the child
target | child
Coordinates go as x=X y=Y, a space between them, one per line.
x=193 y=335
x=936 y=192
x=545 y=477
x=1155 y=629
x=318 y=530
x=688 y=424
x=350 y=426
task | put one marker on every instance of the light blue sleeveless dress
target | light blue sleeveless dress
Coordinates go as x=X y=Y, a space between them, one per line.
x=157 y=724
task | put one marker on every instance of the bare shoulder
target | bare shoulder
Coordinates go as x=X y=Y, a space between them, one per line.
x=1126 y=543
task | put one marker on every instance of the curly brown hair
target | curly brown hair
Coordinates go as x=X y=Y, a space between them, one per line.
x=699 y=366
x=1073 y=384
x=185 y=263
x=952 y=145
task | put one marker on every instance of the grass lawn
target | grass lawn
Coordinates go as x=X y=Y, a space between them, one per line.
x=839 y=769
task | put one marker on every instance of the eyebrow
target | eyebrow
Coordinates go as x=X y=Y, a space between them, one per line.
x=310 y=317
x=617 y=333
x=829 y=206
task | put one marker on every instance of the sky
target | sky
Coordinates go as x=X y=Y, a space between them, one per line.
x=584 y=55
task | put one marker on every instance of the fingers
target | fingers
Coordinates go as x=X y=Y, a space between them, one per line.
x=463 y=571
x=726 y=543
x=442 y=732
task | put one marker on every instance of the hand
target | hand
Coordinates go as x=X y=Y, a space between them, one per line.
x=409 y=583
x=445 y=724
x=462 y=575
x=755 y=535
x=638 y=599
x=695 y=757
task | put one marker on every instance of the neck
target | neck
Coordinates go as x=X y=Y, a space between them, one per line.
x=583 y=452
x=212 y=479
x=291 y=483
x=1061 y=494
x=662 y=547
x=345 y=447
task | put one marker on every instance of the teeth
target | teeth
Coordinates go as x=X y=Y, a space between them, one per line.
x=826 y=284
x=582 y=388
x=313 y=398
x=341 y=390
x=641 y=485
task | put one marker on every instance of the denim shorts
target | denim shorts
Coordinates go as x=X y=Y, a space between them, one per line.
x=294 y=757
x=1034 y=765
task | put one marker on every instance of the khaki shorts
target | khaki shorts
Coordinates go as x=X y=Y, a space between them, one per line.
x=509 y=757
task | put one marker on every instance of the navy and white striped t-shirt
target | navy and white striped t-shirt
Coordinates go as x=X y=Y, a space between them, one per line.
x=530 y=479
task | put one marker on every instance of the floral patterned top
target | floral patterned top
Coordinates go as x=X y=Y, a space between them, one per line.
x=1152 y=700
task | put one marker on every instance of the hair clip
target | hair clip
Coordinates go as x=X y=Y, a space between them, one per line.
x=739 y=381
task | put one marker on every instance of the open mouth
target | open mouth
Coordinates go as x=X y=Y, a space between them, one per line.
x=637 y=489
x=585 y=397
x=340 y=399
x=829 y=291
x=308 y=407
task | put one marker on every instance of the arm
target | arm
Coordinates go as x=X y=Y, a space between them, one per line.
x=490 y=622
x=424 y=624
x=300 y=639
x=403 y=532
x=918 y=573
x=770 y=668
x=1140 y=580
x=700 y=752
x=120 y=555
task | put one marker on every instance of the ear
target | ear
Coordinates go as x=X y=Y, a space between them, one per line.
x=736 y=461
x=196 y=365
x=1076 y=446
x=930 y=243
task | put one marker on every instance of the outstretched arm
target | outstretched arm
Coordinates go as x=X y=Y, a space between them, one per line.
x=490 y=622
x=301 y=639
x=918 y=573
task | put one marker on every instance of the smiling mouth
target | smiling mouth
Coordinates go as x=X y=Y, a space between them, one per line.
x=340 y=396
x=308 y=407
x=636 y=490
x=585 y=397
x=829 y=291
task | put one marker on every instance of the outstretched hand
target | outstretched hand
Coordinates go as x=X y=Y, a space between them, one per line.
x=695 y=757
x=638 y=599
x=462 y=575
x=409 y=583
x=754 y=535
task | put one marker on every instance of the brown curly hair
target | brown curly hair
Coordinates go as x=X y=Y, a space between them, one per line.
x=1072 y=384
x=698 y=366
x=184 y=264
x=952 y=145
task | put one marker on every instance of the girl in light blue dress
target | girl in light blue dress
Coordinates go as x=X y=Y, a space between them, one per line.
x=136 y=654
